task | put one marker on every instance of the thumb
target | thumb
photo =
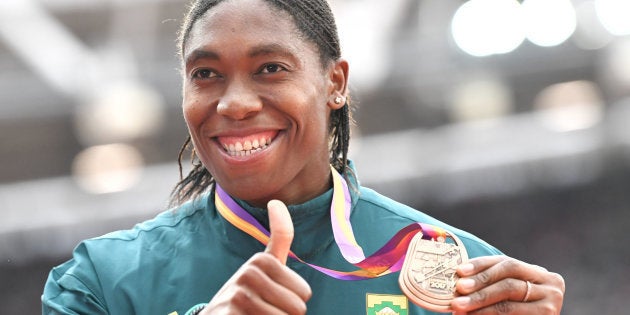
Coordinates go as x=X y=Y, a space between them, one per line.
x=281 y=228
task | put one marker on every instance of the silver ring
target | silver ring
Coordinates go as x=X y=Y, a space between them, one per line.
x=529 y=291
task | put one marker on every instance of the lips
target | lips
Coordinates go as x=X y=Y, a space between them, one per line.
x=247 y=145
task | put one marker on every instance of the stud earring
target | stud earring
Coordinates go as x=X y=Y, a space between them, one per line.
x=338 y=100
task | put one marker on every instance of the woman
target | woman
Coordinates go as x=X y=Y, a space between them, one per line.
x=265 y=98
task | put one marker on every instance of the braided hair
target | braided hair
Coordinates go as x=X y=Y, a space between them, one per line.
x=314 y=19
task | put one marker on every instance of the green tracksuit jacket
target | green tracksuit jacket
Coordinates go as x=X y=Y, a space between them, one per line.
x=183 y=257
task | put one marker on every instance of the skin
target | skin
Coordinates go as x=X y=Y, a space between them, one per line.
x=248 y=74
x=497 y=285
x=264 y=284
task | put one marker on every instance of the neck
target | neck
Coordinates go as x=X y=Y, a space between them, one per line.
x=295 y=193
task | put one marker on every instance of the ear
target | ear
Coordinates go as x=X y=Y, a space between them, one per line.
x=338 y=84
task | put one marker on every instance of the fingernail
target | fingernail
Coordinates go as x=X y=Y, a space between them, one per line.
x=461 y=301
x=466 y=268
x=466 y=283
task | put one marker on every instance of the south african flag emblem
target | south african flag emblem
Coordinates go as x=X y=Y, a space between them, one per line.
x=385 y=304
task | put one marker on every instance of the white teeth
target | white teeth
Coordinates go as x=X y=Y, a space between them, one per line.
x=247 y=148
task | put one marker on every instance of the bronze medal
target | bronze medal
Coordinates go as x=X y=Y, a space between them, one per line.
x=428 y=274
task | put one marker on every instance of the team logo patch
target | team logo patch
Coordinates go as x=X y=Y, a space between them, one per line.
x=386 y=304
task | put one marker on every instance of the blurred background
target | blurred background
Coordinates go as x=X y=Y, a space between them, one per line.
x=504 y=118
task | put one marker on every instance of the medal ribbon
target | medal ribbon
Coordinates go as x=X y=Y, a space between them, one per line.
x=386 y=260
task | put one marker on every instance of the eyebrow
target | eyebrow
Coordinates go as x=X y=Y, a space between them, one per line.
x=271 y=49
x=201 y=54
x=261 y=50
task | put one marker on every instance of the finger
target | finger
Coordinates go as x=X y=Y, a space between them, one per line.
x=281 y=228
x=280 y=287
x=479 y=264
x=267 y=275
x=243 y=301
x=263 y=282
x=510 y=307
x=486 y=271
x=504 y=290
x=514 y=266
x=497 y=282
x=504 y=307
x=543 y=299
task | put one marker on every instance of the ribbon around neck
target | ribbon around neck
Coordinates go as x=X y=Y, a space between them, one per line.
x=386 y=260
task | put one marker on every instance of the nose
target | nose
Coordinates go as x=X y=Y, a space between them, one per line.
x=239 y=101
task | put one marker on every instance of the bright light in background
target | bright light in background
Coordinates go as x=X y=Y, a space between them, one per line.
x=477 y=100
x=355 y=22
x=356 y=42
x=618 y=64
x=118 y=113
x=108 y=168
x=570 y=106
x=548 y=22
x=590 y=33
x=614 y=15
x=487 y=27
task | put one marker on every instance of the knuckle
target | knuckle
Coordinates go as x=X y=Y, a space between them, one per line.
x=249 y=274
x=510 y=265
x=484 y=277
x=541 y=268
x=503 y=307
x=479 y=297
x=557 y=294
x=261 y=260
x=548 y=309
x=559 y=280
x=510 y=286
x=300 y=308
x=240 y=297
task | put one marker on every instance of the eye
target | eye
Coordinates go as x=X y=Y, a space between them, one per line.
x=272 y=68
x=204 y=74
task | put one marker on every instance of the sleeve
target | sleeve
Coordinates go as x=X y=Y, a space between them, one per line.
x=196 y=309
x=73 y=288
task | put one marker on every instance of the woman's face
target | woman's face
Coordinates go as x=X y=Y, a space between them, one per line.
x=257 y=102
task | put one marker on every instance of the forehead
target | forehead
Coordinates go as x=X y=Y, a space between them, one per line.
x=248 y=22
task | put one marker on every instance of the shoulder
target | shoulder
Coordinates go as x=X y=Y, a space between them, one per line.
x=172 y=220
x=148 y=239
x=119 y=250
x=99 y=265
x=389 y=214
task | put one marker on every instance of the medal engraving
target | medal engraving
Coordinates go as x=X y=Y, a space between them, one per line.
x=428 y=274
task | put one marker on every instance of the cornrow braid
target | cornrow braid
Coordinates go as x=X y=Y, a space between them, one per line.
x=315 y=21
x=197 y=180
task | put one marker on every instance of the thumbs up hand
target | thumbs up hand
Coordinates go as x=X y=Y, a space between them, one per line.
x=281 y=228
x=264 y=284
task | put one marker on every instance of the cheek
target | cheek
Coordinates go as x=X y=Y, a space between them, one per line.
x=194 y=112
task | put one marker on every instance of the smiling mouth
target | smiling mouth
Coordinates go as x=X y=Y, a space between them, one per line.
x=245 y=146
